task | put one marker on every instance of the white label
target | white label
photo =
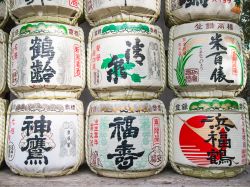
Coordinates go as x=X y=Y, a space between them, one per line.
x=42 y=61
x=43 y=143
x=72 y=4
x=132 y=60
x=208 y=59
x=187 y=10
x=210 y=140
x=2 y=64
x=126 y=142
x=93 y=5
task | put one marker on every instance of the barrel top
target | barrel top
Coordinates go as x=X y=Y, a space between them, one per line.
x=205 y=27
x=116 y=107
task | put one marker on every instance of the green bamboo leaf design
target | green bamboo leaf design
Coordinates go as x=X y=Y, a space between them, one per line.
x=105 y=63
x=121 y=55
x=136 y=77
x=129 y=66
x=181 y=63
x=241 y=59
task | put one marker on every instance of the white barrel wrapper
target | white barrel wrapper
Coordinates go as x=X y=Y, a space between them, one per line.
x=61 y=11
x=45 y=137
x=3 y=13
x=46 y=60
x=182 y=11
x=126 y=139
x=100 y=12
x=3 y=107
x=3 y=60
x=209 y=138
x=126 y=61
x=207 y=59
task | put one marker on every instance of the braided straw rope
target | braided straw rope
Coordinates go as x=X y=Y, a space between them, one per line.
x=56 y=18
x=79 y=148
x=201 y=172
x=203 y=93
x=3 y=107
x=127 y=92
x=3 y=64
x=50 y=92
x=172 y=19
x=5 y=19
x=126 y=174
x=124 y=16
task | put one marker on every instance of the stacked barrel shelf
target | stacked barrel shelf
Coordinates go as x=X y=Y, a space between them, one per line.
x=46 y=72
x=126 y=127
x=208 y=124
x=126 y=132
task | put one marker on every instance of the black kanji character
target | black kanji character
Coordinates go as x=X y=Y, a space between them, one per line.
x=124 y=158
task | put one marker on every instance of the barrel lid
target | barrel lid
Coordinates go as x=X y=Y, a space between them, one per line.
x=111 y=107
x=126 y=27
x=210 y=104
x=41 y=28
x=203 y=27
x=46 y=105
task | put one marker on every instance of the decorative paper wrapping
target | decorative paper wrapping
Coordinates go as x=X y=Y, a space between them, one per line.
x=44 y=137
x=3 y=13
x=126 y=139
x=3 y=106
x=46 y=60
x=126 y=61
x=61 y=11
x=209 y=138
x=100 y=12
x=207 y=59
x=182 y=11
x=3 y=61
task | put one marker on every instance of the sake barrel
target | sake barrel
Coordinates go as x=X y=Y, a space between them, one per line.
x=207 y=59
x=3 y=106
x=3 y=13
x=46 y=60
x=126 y=139
x=208 y=137
x=183 y=11
x=100 y=12
x=44 y=137
x=126 y=61
x=3 y=61
x=61 y=11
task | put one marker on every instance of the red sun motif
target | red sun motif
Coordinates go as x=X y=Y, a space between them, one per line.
x=192 y=139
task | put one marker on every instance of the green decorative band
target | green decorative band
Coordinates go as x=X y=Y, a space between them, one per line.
x=42 y=27
x=214 y=104
x=122 y=27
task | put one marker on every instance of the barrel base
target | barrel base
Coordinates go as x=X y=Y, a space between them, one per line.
x=210 y=173
x=126 y=175
x=42 y=94
x=207 y=94
x=126 y=95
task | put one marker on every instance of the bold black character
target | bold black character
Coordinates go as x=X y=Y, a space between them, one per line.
x=124 y=158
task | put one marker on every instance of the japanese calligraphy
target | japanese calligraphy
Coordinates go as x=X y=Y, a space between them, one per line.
x=36 y=140
x=124 y=153
x=218 y=74
x=190 y=3
x=42 y=49
x=218 y=137
x=119 y=65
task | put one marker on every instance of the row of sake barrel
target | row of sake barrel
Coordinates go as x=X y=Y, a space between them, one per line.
x=205 y=59
x=106 y=11
x=206 y=138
